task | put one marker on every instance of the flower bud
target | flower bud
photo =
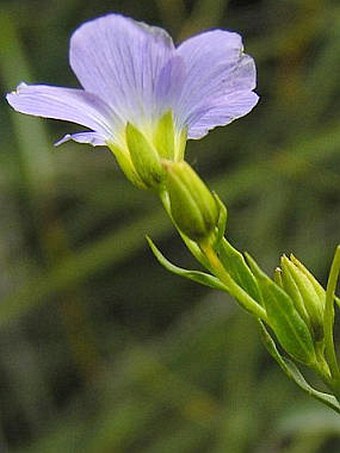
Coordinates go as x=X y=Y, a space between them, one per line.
x=306 y=292
x=193 y=206
x=141 y=150
x=292 y=331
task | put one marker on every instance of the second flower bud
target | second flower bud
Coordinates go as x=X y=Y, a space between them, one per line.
x=193 y=206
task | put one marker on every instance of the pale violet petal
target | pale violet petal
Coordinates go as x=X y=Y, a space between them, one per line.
x=92 y=138
x=169 y=85
x=218 y=73
x=119 y=59
x=69 y=104
x=243 y=75
x=209 y=57
x=230 y=108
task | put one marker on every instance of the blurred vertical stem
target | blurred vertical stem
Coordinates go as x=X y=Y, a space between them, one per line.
x=39 y=175
x=172 y=12
x=205 y=14
x=329 y=321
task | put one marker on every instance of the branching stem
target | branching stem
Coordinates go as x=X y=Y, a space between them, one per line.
x=329 y=319
x=234 y=289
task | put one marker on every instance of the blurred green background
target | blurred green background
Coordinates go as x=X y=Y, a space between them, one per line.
x=101 y=350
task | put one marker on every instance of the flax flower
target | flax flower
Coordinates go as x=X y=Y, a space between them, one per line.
x=131 y=73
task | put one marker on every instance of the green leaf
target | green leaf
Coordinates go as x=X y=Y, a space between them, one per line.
x=290 y=329
x=292 y=371
x=196 y=276
x=235 y=264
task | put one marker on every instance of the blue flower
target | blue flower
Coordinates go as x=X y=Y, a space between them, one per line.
x=132 y=73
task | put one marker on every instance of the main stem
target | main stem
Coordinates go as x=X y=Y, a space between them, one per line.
x=235 y=290
x=329 y=321
x=247 y=302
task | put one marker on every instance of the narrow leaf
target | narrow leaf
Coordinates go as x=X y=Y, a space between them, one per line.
x=196 y=276
x=291 y=370
x=235 y=264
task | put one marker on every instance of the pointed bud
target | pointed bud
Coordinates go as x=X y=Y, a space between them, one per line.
x=318 y=288
x=283 y=317
x=193 y=206
x=309 y=301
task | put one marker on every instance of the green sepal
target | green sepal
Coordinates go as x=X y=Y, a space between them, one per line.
x=144 y=157
x=125 y=163
x=164 y=136
x=286 y=322
x=180 y=144
x=291 y=288
x=277 y=277
x=196 y=276
x=292 y=371
x=234 y=263
x=317 y=286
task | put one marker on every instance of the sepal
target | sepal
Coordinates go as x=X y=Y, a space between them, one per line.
x=144 y=157
x=125 y=163
x=316 y=285
x=164 y=136
x=169 y=142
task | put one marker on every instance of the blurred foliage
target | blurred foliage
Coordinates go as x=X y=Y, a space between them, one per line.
x=100 y=349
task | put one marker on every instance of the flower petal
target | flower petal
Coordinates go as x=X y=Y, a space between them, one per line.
x=218 y=74
x=91 y=138
x=119 y=59
x=169 y=85
x=221 y=113
x=67 y=104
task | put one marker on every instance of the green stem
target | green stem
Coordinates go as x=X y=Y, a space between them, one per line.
x=321 y=366
x=233 y=288
x=207 y=256
x=329 y=318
